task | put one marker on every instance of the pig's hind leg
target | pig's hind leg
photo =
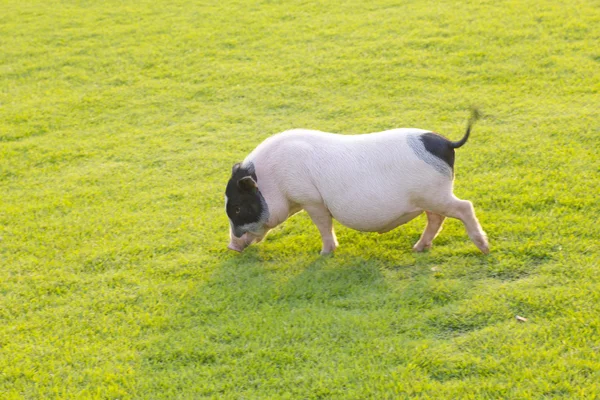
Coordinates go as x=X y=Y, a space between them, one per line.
x=434 y=225
x=451 y=206
x=321 y=216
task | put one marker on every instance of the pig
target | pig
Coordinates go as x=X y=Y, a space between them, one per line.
x=368 y=182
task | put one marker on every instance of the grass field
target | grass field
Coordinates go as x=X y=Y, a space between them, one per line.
x=119 y=124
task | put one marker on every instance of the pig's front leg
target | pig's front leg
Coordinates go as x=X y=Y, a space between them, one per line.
x=322 y=218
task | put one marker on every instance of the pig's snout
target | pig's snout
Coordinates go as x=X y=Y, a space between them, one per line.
x=239 y=244
x=233 y=247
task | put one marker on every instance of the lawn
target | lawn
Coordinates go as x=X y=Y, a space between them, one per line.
x=119 y=124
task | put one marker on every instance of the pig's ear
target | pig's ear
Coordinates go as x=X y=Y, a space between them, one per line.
x=248 y=184
x=235 y=168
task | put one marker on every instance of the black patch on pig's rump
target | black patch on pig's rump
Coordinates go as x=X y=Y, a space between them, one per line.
x=439 y=146
x=245 y=205
x=435 y=150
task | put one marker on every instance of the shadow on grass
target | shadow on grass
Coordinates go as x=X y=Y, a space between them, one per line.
x=248 y=281
x=261 y=313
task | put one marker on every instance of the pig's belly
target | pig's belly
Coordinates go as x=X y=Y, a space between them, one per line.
x=400 y=221
x=374 y=220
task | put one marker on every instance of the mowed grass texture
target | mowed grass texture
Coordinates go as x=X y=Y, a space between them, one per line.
x=119 y=124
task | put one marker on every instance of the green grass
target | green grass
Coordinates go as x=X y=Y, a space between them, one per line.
x=119 y=123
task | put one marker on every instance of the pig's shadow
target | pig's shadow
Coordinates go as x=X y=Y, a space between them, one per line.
x=248 y=281
x=326 y=280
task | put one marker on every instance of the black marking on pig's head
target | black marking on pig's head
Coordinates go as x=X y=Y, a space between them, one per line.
x=245 y=205
x=435 y=150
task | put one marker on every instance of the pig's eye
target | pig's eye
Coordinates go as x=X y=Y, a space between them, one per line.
x=237 y=210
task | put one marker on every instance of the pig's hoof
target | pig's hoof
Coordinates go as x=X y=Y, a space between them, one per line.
x=485 y=249
x=420 y=247
x=328 y=250
x=482 y=245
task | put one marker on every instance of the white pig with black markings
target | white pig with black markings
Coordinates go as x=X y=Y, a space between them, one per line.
x=371 y=182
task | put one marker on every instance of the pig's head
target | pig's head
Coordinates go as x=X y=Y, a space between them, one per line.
x=246 y=208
